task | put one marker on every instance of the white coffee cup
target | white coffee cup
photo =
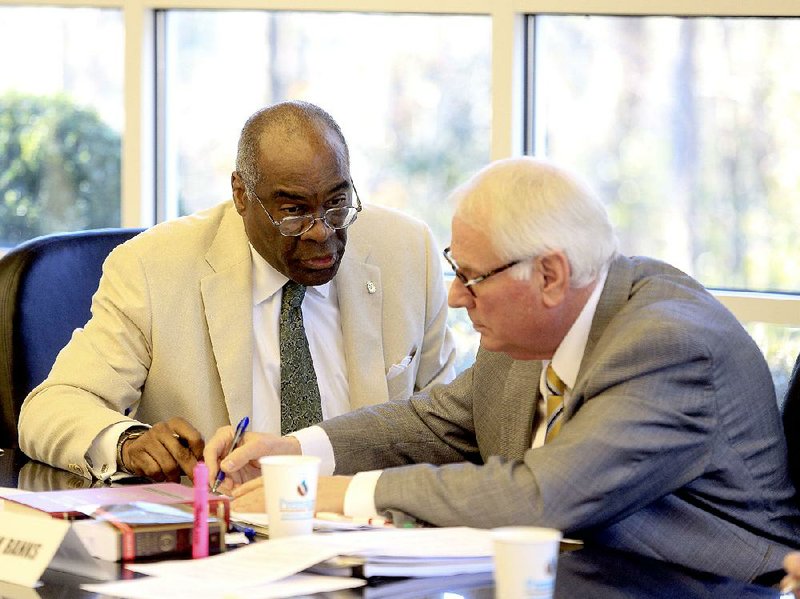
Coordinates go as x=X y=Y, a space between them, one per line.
x=525 y=559
x=290 y=493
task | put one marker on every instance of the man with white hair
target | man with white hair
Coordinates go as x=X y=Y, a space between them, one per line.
x=612 y=398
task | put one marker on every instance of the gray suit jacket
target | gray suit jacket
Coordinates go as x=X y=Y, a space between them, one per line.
x=171 y=331
x=671 y=444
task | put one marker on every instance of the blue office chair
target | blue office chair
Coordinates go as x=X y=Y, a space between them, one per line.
x=46 y=286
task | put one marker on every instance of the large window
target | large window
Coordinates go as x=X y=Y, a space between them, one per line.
x=689 y=129
x=781 y=345
x=61 y=115
x=684 y=117
x=411 y=95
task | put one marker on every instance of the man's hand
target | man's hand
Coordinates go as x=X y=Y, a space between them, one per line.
x=791 y=581
x=165 y=452
x=241 y=465
x=330 y=493
x=249 y=496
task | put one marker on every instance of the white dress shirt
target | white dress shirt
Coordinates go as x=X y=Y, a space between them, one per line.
x=568 y=355
x=360 y=496
x=324 y=332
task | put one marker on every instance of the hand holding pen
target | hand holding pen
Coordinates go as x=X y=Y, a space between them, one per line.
x=237 y=459
x=237 y=436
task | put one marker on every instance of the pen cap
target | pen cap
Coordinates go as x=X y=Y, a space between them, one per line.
x=200 y=475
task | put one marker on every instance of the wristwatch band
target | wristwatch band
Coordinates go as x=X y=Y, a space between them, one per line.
x=133 y=432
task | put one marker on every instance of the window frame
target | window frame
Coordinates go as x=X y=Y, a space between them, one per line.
x=139 y=157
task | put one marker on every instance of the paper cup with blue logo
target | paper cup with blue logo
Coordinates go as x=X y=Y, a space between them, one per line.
x=290 y=493
x=525 y=561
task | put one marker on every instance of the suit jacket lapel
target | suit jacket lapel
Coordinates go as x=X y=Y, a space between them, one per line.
x=522 y=391
x=360 y=295
x=227 y=296
x=615 y=294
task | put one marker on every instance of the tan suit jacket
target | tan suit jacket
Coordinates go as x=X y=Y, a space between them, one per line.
x=171 y=330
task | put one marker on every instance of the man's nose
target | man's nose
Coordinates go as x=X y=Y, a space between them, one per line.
x=459 y=296
x=319 y=231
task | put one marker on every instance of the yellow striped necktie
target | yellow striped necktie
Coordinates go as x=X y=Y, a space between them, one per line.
x=555 y=402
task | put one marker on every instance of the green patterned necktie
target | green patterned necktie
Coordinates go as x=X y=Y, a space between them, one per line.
x=300 y=402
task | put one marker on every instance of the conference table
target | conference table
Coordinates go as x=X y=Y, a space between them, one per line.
x=589 y=572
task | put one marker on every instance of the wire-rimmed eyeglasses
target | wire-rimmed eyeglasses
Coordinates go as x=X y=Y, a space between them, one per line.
x=469 y=283
x=334 y=218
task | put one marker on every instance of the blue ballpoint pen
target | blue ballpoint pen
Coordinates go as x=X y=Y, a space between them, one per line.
x=237 y=436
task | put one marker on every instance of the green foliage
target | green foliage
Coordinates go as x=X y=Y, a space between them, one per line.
x=59 y=168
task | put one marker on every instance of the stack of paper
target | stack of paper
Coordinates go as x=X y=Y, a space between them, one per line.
x=420 y=552
x=454 y=586
x=255 y=570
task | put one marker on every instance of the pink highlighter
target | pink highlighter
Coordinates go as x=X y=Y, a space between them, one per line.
x=200 y=532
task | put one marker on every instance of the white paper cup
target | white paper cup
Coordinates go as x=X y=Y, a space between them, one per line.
x=525 y=560
x=290 y=493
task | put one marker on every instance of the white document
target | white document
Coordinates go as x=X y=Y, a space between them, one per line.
x=239 y=572
x=425 y=552
x=259 y=521
x=267 y=561
x=258 y=563
x=175 y=588
x=416 y=543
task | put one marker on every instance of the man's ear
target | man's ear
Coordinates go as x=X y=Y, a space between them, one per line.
x=555 y=272
x=239 y=193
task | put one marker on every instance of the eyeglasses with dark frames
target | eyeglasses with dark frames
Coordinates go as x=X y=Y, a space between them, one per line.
x=470 y=283
x=333 y=218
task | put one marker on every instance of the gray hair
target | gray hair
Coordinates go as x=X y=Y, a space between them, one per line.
x=293 y=117
x=529 y=207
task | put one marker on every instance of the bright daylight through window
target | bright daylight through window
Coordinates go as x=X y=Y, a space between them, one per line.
x=689 y=129
x=415 y=115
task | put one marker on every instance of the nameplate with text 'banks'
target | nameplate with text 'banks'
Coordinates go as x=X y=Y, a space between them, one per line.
x=27 y=544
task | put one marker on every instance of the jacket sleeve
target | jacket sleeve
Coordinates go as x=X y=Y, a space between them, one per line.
x=97 y=378
x=408 y=431
x=634 y=441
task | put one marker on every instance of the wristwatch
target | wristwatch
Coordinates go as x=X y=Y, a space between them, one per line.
x=133 y=432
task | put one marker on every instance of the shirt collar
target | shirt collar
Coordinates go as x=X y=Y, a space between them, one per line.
x=569 y=354
x=267 y=281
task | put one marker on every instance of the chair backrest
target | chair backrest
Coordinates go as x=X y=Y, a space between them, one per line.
x=46 y=287
x=791 y=423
